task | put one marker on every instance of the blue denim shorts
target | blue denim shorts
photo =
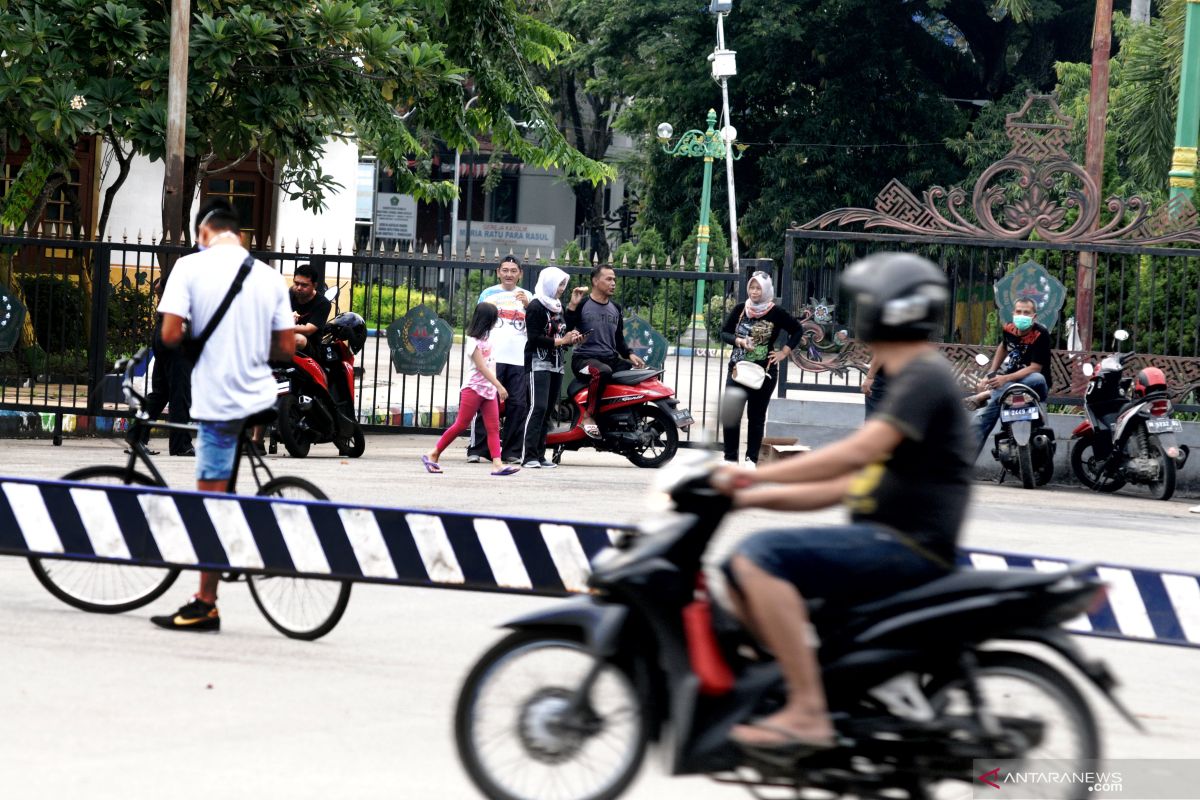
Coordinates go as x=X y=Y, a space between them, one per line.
x=845 y=565
x=216 y=449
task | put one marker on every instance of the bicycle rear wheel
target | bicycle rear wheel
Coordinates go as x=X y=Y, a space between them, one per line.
x=300 y=608
x=104 y=588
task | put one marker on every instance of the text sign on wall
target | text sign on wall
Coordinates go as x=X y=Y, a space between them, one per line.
x=395 y=216
x=508 y=235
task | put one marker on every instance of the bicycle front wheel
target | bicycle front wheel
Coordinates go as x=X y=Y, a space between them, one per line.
x=104 y=588
x=300 y=608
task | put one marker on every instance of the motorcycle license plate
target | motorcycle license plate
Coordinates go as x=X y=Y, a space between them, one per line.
x=1164 y=425
x=1015 y=414
x=682 y=417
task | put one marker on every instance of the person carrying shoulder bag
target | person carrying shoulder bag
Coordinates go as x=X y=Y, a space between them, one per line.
x=752 y=328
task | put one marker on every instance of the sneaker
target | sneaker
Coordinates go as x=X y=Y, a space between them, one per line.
x=472 y=459
x=532 y=464
x=195 y=616
x=548 y=464
x=748 y=464
x=512 y=461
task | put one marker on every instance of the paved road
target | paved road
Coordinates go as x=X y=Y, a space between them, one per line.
x=110 y=707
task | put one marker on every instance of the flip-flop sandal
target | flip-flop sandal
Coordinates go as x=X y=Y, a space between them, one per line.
x=431 y=466
x=511 y=469
x=592 y=431
x=790 y=745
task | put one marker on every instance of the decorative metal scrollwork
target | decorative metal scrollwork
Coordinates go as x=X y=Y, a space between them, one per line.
x=1042 y=206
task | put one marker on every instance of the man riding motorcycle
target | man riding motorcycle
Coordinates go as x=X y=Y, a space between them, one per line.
x=904 y=476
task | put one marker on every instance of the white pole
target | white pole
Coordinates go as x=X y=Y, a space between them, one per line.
x=733 y=233
x=454 y=203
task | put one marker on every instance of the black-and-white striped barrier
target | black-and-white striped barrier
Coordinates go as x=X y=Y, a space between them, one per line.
x=191 y=530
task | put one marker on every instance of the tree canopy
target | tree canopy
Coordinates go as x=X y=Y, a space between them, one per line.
x=277 y=79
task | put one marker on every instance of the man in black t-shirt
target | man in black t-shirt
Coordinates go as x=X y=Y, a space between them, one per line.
x=1022 y=357
x=309 y=307
x=905 y=477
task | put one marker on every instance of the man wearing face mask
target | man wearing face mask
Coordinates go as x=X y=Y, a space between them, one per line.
x=1022 y=357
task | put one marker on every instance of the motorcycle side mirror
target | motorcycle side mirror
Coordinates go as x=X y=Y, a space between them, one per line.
x=1120 y=334
x=981 y=359
x=331 y=293
x=1088 y=369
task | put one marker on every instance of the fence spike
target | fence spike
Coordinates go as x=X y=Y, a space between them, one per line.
x=410 y=247
x=728 y=264
x=396 y=252
x=322 y=246
x=712 y=266
x=681 y=264
x=595 y=258
x=653 y=262
x=625 y=260
x=497 y=254
x=525 y=258
x=638 y=263
x=553 y=256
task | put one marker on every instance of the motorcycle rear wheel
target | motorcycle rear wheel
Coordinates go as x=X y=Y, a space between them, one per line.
x=1164 y=487
x=1025 y=460
x=294 y=439
x=1087 y=468
x=517 y=744
x=1019 y=687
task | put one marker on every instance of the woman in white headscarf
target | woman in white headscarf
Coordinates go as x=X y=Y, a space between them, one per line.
x=544 y=359
x=753 y=328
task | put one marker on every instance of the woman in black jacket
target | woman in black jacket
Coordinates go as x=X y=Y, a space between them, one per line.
x=544 y=360
x=752 y=329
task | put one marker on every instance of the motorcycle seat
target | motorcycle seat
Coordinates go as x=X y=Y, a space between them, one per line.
x=958 y=584
x=632 y=377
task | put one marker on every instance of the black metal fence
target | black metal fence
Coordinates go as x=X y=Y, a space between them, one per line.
x=1153 y=292
x=90 y=303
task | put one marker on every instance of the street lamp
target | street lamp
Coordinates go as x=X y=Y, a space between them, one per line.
x=724 y=67
x=708 y=144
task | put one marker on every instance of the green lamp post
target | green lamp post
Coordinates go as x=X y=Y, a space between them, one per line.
x=1187 y=121
x=709 y=144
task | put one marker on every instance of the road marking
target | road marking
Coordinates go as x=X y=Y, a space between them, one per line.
x=433 y=544
x=1079 y=623
x=988 y=561
x=33 y=519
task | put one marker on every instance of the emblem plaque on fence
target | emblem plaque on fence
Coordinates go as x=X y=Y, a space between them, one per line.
x=420 y=342
x=645 y=341
x=1031 y=281
x=824 y=345
x=12 y=318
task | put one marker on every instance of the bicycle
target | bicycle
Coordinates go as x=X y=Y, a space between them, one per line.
x=300 y=608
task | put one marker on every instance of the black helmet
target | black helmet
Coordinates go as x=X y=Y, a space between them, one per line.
x=351 y=329
x=899 y=297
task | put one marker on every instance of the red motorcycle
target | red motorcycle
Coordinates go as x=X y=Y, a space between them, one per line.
x=638 y=416
x=316 y=395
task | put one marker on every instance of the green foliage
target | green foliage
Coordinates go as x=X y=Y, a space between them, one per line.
x=55 y=307
x=131 y=317
x=382 y=305
x=649 y=247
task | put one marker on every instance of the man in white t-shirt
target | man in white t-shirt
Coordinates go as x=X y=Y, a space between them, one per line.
x=508 y=347
x=232 y=378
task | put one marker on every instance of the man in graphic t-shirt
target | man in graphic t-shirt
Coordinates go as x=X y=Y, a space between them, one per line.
x=1022 y=357
x=508 y=347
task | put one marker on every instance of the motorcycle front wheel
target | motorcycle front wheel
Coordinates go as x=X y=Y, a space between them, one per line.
x=1039 y=710
x=662 y=440
x=518 y=739
x=1088 y=468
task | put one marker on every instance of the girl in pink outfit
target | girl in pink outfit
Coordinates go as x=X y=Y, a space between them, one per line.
x=482 y=391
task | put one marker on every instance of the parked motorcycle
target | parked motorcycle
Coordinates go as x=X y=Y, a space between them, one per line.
x=1025 y=443
x=638 y=416
x=570 y=699
x=1128 y=435
x=316 y=395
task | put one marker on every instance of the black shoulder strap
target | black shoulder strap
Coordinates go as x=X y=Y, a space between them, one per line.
x=234 y=289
